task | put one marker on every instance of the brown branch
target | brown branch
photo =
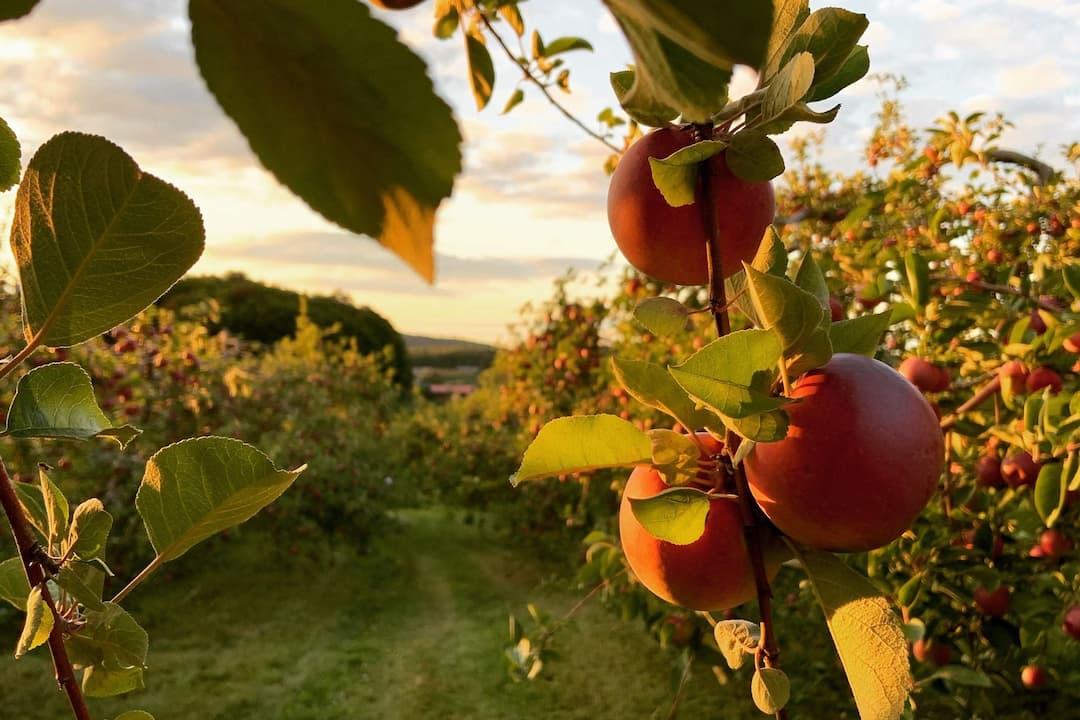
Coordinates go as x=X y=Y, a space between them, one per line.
x=35 y=575
x=543 y=88
x=985 y=393
x=751 y=517
x=1044 y=171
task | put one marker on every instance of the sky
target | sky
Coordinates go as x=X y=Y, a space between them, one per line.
x=530 y=203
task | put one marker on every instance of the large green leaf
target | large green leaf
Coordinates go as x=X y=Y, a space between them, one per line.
x=754 y=157
x=582 y=443
x=746 y=357
x=723 y=32
x=650 y=111
x=667 y=75
x=196 y=488
x=57 y=401
x=338 y=110
x=119 y=641
x=676 y=175
x=651 y=384
x=100 y=682
x=788 y=15
x=96 y=239
x=676 y=515
x=663 y=316
x=868 y=635
x=13 y=585
x=10 y=157
x=795 y=314
x=13 y=9
x=37 y=625
x=830 y=35
x=854 y=68
x=861 y=335
x=788 y=87
x=90 y=526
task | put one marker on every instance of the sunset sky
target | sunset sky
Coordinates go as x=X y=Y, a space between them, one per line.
x=530 y=203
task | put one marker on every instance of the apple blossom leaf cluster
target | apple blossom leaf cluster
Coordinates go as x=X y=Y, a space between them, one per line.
x=96 y=240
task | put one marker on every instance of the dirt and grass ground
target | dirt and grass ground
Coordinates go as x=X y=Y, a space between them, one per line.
x=414 y=629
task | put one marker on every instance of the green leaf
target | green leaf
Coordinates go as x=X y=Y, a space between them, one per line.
x=196 y=488
x=674 y=456
x=788 y=16
x=676 y=515
x=771 y=258
x=960 y=675
x=565 y=44
x=764 y=427
x=722 y=32
x=644 y=109
x=90 y=526
x=799 y=112
x=812 y=280
x=861 y=335
x=652 y=385
x=99 y=682
x=582 y=443
x=830 y=35
x=668 y=75
x=795 y=314
x=56 y=508
x=754 y=157
x=33 y=504
x=868 y=635
x=10 y=157
x=481 y=70
x=37 y=626
x=515 y=99
x=1071 y=276
x=14 y=9
x=57 y=401
x=96 y=239
x=72 y=581
x=788 y=87
x=13 y=585
x=918 y=276
x=737 y=639
x=512 y=16
x=744 y=357
x=120 y=641
x=852 y=70
x=1050 y=493
x=135 y=715
x=446 y=20
x=676 y=175
x=771 y=690
x=663 y=316
x=341 y=80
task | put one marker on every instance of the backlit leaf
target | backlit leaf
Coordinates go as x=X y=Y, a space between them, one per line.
x=341 y=79
x=662 y=316
x=676 y=515
x=565 y=44
x=793 y=313
x=812 y=280
x=830 y=35
x=652 y=385
x=33 y=504
x=853 y=69
x=754 y=157
x=861 y=335
x=100 y=682
x=646 y=110
x=13 y=585
x=56 y=508
x=788 y=87
x=771 y=690
x=90 y=526
x=514 y=100
x=868 y=635
x=676 y=175
x=57 y=401
x=196 y=488
x=37 y=625
x=72 y=579
x=481 y=70
x=581 y=443
x=674 y=456
x=1050 y=493
x=788 y=16
x=120 y=640
x=96 y=239
x=737 y=639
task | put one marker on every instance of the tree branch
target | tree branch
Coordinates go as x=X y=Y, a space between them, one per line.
x=1044 y=171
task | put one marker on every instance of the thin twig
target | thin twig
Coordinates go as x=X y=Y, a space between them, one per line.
x=973 y=402
x=35 y=575
x=543 y=88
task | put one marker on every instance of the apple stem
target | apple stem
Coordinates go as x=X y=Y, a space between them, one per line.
x=753 y=521
x=35 y=575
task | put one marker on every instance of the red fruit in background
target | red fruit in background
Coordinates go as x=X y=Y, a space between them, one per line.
x=836 y=310
x=1033 y=677
x=669 y=243
x=396 y=4
x=994 y=603
x=925 y=375
x=1020 y=470
x=1043 y=377
x=988 y=471
x=994 y=255
x=931 y=651
x=1072 y=343
x=1054 y=543
x=711 y=573
x=1071 y=623
x=861 y=459
x=1017 y=373
x=1037 y=325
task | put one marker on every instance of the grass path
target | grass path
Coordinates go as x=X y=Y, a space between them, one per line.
x=412 y=631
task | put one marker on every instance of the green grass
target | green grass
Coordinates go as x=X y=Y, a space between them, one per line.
x=414 y=629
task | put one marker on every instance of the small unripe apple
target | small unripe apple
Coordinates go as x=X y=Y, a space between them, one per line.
x=1033 y=677
x=849 y=477
x=670 y=243
x=1020 y=470
x=988 y=471
x=925 y=375
x=931 y=651
x=994 y=256
x=993 y=603
x=1071 y=623
x=1044 y=377
x=1055 y=543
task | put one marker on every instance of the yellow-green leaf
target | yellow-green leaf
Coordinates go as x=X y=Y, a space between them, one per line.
x=38 y=624
x=582 y=443
x=676 y=515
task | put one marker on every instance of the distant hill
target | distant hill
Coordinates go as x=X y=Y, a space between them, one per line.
x=448 y=352
x=266 y=314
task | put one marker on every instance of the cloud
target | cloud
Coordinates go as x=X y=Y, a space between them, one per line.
x=1042 y=76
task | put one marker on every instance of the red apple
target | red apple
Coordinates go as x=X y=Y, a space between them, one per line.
x=931 y=651
x=669 y=243
x=1072 y=343
x=925 y=375
x=994 y=603
x=1020 y=470
x=850 y=475
x=1043 y=377
x=988 y=471
x=1055 y=543
x=836 y=310
x=1071 y=623
x=1033 y=677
